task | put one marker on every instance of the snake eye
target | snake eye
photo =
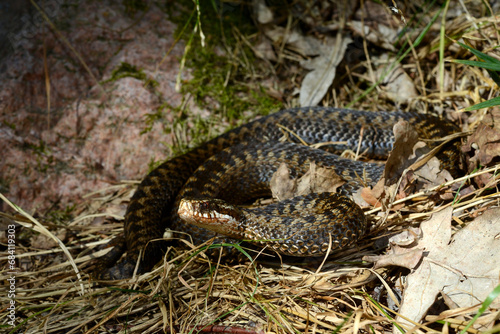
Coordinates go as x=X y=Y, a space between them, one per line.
x=204 y=206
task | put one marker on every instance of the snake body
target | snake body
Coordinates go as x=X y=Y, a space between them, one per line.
x=300 y=226
x=308 y=225
x=154 y=204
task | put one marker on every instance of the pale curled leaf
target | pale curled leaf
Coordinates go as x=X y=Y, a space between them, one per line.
x=398 y=256
x=319 y=180
x=324 y=67
x=262 y=12
x=383 y=38
x=431 y=174
x=315 y=180
x=306 y=45
x=406 y=238
x=282 y=185
x=397 y=86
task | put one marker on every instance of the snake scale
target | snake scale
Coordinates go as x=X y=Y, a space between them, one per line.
x=220 y=168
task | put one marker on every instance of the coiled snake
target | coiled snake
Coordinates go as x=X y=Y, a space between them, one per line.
x=228 y=176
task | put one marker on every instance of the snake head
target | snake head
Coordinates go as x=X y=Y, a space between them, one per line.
x=213 y=214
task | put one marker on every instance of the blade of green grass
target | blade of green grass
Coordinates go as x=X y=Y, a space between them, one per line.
x=491 y=297
x=482 y=64
x=479 y=54
x=486 y=104
x=491 y=64
x=442 y=41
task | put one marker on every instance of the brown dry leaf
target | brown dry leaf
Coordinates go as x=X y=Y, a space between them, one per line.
x=465 y=267
x=365 y=198
x=405 y=139
x=400 y=254
x=399 y=159
x=407 y=151
x=316 y=180
x=486 y=142
x=492 y=118
x=319 y=180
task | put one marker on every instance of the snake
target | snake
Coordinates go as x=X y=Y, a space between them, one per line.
x=235 y=167
x=299 y=226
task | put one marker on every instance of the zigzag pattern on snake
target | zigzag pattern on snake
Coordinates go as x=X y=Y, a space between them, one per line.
x=150 y=209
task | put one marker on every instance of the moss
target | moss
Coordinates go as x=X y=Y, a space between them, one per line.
x=62 y=216
x=151 y=118
x=43 y=155
x=224 y=88
x=127 y=70
x=9 y=124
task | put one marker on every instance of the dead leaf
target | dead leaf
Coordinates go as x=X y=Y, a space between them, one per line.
x=432 y=175
x=397 y=85
x=315 y=180
x=399 y=159
x=306 y=45
x=377 y=24
x=465 y=267
x=282 y=185
x=398 y=256
x=492 y=118
x=329 y=53
x=263 y=14
x=405 y=238
x=407 y=154
x=486 y=143
x=319 y=180
x=324 y=67
x=382 y=38
x=405 y=138
x=364 y=198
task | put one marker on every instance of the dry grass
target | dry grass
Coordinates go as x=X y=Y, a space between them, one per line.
x=191 y=292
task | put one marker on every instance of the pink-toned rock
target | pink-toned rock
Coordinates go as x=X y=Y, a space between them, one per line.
x=92 y=137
